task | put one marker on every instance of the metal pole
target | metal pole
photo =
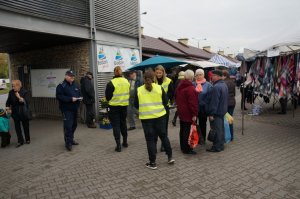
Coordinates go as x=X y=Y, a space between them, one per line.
x=243 y=103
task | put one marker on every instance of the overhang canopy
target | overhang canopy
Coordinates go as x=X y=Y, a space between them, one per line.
x=15 y=40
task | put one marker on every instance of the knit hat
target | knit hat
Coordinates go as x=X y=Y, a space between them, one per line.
x=181 y=75
x=2 y=112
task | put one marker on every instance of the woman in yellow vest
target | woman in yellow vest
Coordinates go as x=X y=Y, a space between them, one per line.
x=117 y=95
x=167 y=84
x=151 y=101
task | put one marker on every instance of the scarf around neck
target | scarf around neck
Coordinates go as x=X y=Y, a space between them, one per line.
x=199 y=85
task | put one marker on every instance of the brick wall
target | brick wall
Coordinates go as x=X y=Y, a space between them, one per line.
x=75 y=56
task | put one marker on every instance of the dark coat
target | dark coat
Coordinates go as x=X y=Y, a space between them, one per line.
x=231 y=91
x=87 y=90
x=218 y=99
x=64 y=93
x=187 y=101
x=16 y=106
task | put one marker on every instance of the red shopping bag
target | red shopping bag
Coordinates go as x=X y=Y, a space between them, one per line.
x=193 y=137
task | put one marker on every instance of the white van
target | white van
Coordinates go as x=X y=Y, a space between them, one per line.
x=2 y=84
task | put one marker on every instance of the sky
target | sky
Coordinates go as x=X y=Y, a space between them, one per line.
x=229 y=25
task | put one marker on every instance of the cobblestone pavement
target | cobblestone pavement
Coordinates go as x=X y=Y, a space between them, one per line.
x=262 y=163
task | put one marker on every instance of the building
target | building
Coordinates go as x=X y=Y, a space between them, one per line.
x=45 y=38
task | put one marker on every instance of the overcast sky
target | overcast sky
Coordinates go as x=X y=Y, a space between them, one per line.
x=229 y=25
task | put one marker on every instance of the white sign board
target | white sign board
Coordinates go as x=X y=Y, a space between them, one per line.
x=45 y=81
x=108 y=57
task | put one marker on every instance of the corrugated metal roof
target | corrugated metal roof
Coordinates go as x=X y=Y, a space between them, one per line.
x=156 y=45
x=161 y=46
x=189 y=50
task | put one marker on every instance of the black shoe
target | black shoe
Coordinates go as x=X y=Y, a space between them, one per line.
x=213 y=150
x=118 y=148
x=131 y=128
x=69 y=148
x=75 y=143
x=27 y=142
x=19 y=144
x=174 y=122
x=125 y=144
x=151 y=165
x=192 y=152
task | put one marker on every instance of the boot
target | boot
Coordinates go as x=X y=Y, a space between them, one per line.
x=118 y=147
x=125 y=144
x=92 y=125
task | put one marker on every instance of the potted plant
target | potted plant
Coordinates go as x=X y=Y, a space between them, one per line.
x=104 y=122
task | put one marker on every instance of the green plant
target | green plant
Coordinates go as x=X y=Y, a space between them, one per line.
x=104 y=102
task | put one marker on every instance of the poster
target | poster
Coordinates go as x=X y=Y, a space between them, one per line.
x=45 y=81
x=108 y=57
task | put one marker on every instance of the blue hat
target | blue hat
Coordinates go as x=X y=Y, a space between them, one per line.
x=70 y=73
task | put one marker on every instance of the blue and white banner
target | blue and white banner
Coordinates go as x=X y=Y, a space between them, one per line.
x=108 y=57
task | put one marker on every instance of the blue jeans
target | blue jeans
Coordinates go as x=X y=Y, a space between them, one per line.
x=230 y=110
x=154 y=128
x=70 y=125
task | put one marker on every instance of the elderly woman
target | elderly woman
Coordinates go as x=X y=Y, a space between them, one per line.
x=203 y=88
x=187 y=106
x=17 y=98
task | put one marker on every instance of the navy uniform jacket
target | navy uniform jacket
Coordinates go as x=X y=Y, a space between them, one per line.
x=64 y=93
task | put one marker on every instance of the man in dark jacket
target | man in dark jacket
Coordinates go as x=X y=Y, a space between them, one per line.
x=68 y=95
x=88 y=94
x=217 y=108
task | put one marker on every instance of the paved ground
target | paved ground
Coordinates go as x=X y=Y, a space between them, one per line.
x=262 y=163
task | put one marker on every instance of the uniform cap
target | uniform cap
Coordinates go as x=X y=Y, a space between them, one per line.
x=70 y=73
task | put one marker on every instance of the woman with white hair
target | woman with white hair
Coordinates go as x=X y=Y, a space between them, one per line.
x=203 y=88
x=187 y=106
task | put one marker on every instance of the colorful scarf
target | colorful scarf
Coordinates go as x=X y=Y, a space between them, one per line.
x=199 y=85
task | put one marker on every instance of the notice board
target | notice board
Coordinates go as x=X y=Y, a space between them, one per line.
x=45 y=81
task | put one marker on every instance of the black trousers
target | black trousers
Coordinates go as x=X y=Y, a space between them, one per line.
x=5 y=138
x=202 y=117
x=154 y=128
x=184 y=133
x=25 y=124
x=70 y=125
x=117 y=116
x=218 y=125
x=90 y=114
x=283 y=104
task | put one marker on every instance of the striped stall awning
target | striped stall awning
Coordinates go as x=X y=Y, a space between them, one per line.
x=218 y=59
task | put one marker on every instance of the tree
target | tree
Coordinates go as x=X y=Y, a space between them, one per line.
x=3 y=65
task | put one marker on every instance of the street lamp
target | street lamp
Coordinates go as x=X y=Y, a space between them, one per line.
x=197 y=39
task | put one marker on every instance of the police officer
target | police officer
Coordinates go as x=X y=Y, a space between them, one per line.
x=117 y=95
x=68 y=95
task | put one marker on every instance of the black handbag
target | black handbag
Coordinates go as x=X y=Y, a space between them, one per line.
x=26 y=112
x=211 y=135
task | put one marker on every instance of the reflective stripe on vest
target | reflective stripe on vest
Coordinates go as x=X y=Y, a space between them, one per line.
x=150 y=103
x=121 y=93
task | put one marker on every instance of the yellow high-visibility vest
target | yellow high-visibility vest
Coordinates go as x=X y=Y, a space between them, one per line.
x=165 y=86
x=150 y=103
x=121 y=93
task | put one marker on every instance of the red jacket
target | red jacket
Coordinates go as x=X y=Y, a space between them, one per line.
x=186 y=100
